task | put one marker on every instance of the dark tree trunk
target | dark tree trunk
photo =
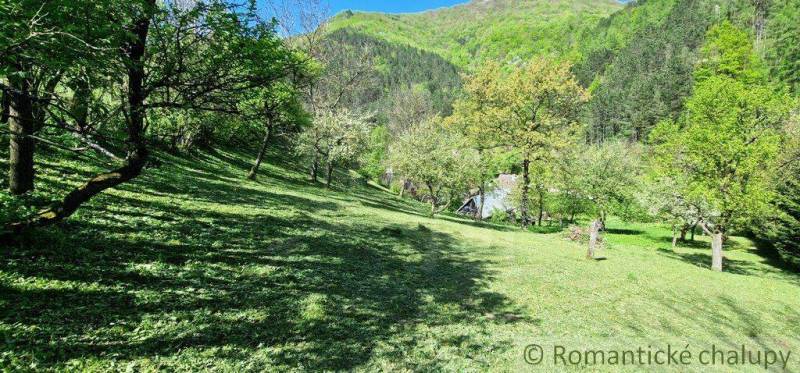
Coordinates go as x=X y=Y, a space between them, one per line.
x=4 y=107
x=80 y=105
x=433 y=199
x=541 y=206
x=260 y=157
x=21 y=125
x=137 y=152
x=694 y=227
x=80 y=112
x=526 y=178
x=684 y=230
x=603 y=219
x=329 y=175
x=314 y=167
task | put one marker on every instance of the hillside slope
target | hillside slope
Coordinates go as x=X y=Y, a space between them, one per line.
x=485 y=29
x=192 y=267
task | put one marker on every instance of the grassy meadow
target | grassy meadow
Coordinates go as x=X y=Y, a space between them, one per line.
x=190 y=267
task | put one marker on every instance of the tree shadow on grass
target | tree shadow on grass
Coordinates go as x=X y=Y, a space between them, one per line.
x=296 y=290
x=696 y=244
x=625 y=232
x=724 y=319
x=703 y=260
x=739 y=267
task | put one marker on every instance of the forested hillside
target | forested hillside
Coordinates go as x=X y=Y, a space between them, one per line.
x=636 y=58
x=484 y=30
x=397 y=69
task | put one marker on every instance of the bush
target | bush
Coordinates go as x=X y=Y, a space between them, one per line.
x=499 y=217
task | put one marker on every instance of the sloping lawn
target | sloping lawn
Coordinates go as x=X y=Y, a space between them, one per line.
x=191 y=268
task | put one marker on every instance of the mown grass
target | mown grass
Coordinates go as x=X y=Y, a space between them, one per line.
x=193 y=268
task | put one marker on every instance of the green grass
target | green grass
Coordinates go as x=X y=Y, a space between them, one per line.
x=192 y=268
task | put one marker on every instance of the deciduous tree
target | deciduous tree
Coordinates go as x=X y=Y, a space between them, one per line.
x=529 y=108
x=335 y=138
x=725 y=147
x=431 y=156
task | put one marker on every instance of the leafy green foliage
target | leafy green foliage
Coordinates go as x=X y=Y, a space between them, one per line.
x=335 y=138
x=527 y=108
x=193 y=268
x=608 y=178
x=373 y=161
x=726 y=147
x=432 y=157
x=728 y=51
x=782 y=229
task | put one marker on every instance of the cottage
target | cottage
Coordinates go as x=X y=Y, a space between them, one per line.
x=497 y=198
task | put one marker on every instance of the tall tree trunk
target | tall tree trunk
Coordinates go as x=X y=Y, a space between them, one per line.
x=716 y=245
x=594 y=237
x=260 y=157
x=541 y=206
x=603 y=215
x=694 y=227
x=314 y=167
x=526 y=179
x=684 y=230
x=433 y=199
x=79 y=109
x=329 y=174
x=21 y=125
x=5 y=102
x=760 y=22
x=674 y=236
x=80 y=104
x=137 y=148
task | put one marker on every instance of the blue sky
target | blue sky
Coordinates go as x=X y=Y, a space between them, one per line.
x=390 y=6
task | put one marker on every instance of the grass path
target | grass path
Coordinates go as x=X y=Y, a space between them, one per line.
x=191 y=268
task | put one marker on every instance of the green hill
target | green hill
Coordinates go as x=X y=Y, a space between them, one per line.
x=637 y=58
x=190 y=267
x=485 y=29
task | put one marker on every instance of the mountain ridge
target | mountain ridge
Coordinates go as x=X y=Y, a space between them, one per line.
x=467 y=34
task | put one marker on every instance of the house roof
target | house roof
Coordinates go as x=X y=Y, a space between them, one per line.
x=497 y=197
x=506 y=181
